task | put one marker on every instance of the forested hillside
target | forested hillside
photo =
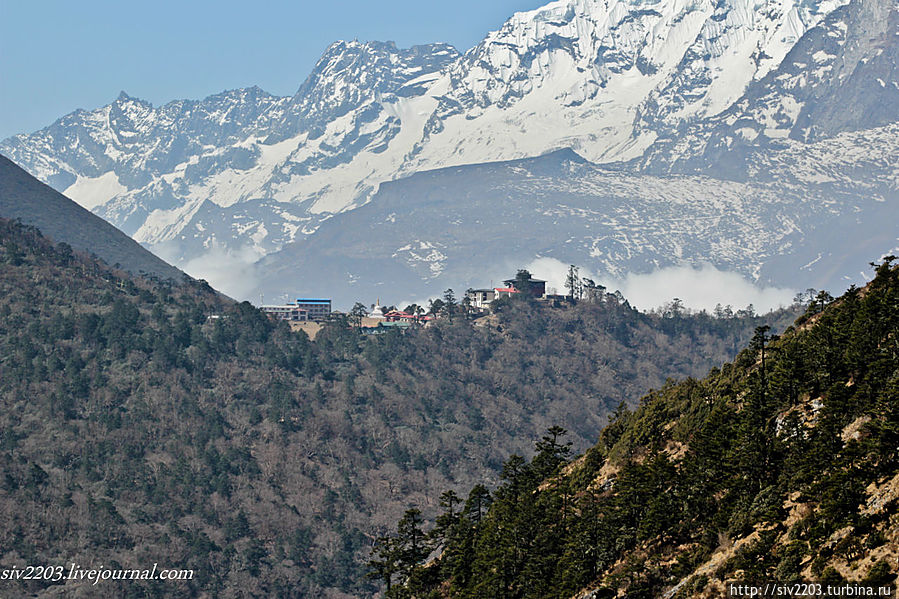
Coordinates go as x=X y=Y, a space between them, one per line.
x=143 y=422
x=781 y=466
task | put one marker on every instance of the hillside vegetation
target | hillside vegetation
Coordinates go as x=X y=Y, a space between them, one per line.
x=781 y=466
x=144 y=422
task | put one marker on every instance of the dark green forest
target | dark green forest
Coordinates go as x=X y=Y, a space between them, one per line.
x=144 y=421
x=780 y=466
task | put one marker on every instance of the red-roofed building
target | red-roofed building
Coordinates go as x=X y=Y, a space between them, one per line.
x=504 y=291
x=398 y=316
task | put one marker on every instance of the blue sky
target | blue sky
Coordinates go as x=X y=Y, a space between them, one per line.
x=59 y=55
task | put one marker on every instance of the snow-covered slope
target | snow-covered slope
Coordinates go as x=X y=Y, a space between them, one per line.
x=155 y=171
x=604 y=78
x=843 y=75
x=728 y=89
x=607 y=77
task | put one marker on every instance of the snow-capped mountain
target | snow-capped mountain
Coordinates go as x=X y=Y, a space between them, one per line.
x=730 y=89
x=152 y=171
x=843 y=75
x=606 y=78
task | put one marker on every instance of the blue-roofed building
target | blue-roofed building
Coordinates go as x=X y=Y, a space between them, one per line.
x=318 y=309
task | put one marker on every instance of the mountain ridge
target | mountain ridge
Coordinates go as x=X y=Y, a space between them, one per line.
x=464 y=226
x=710 y=89
x=34 y=203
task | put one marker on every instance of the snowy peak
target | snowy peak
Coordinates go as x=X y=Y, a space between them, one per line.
x=606 y=77
x=379 y=65
x=125 y=97
x=560 y=39
x=352 y=73
x=577 y=46
x=354 y=76
x=129 y=118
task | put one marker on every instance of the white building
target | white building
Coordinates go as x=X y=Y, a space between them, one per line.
x=290 y=312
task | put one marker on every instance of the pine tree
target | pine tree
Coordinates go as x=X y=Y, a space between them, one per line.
x=573 y=283
x=386 y=561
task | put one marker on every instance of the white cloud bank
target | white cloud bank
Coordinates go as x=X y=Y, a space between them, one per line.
x=698 y=288
x=233 y=272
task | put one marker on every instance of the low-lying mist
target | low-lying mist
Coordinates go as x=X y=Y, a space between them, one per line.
x=699 y=288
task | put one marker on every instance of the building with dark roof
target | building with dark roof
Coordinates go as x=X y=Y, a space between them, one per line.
x=535 y=287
